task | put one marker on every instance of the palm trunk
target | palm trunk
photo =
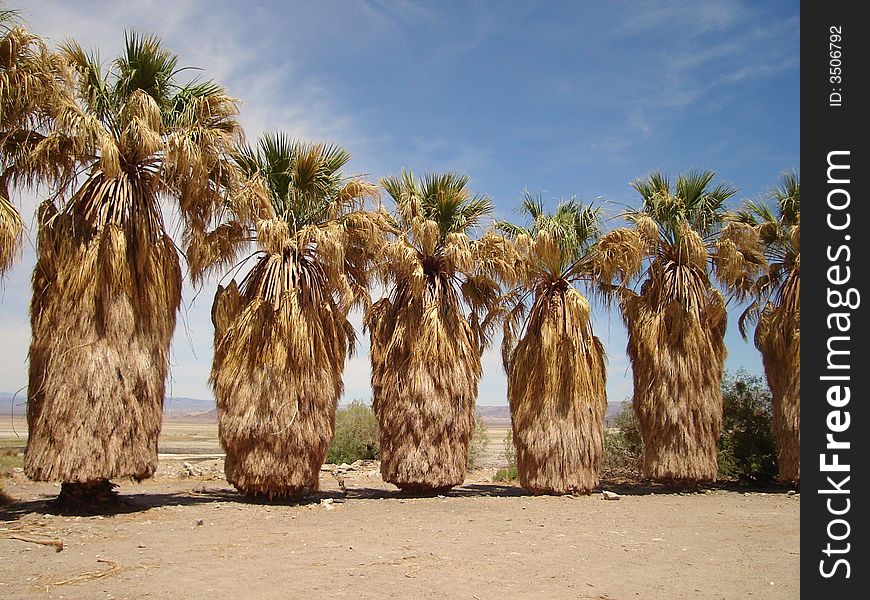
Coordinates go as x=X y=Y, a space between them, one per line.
x=277 y=390
x=425 y=371
x=778 y=338
x=678 y=359
x=102 y=315
x=556 y=389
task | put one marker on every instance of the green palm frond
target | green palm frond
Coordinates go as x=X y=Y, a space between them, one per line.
x=691 y=202
x=777 y=223
x=303 y=179
x=573 y=227
x=145 y=65
x=438 y=197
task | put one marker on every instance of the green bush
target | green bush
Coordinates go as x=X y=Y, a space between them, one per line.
x=509 y=454
x=479 y=442
x=510 y=450
x=623 y=446
x=746 y=448
x=506 y=475
x=356 y=434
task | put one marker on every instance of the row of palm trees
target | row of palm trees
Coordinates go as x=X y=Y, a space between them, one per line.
x=117 y=144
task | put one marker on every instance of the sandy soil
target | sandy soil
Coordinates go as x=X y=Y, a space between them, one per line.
x=188 y=536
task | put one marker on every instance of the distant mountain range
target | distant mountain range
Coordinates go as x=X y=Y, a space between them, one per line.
x=172 y=407
x=204 y=410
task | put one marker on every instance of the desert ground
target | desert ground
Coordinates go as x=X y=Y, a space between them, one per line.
x=186 y=533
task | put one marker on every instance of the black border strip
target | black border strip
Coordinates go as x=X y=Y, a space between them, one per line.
x=834 y=128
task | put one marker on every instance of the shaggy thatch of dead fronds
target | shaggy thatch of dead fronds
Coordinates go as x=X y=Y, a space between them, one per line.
x=282 y=336
x=676 y=324
x=425 y=352
x=556 y=372
x=107 y=282
x=32 y=85
x=775 y=306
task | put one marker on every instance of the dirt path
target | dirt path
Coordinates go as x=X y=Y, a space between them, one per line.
x=197 y=538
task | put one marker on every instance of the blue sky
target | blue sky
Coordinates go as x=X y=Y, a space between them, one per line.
x=560 y=98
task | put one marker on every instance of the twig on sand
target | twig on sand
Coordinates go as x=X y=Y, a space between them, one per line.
x=114 y=568
x=56 y=544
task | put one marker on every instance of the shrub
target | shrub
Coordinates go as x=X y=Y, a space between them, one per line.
x=510 y=450
x=509 y=454
x=746 y=448
x=623 y=446
x=356 y=434
x=479 y=442
x=506 y=475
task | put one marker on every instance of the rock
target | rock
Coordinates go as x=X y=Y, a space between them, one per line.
x=327 y=503
x=190 y=470
x=610 y=495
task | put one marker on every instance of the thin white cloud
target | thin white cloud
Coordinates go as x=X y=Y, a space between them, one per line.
x=685 y=18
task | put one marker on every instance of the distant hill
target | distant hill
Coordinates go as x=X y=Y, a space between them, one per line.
x=500 y=416
x=172 y=407
x=204 y=410
x=187 y=407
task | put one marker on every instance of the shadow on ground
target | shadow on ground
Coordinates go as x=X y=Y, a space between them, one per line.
x=140 y=501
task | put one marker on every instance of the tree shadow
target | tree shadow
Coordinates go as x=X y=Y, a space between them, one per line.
x=128 y=502
x=123 y=503
x=647 y=487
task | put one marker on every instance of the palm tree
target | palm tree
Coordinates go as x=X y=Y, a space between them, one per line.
x=676 y=324
x=107 y=283
x=31 y=88
x=425 y=350
x=557 y=370
x=282 y=335
x=776 y=308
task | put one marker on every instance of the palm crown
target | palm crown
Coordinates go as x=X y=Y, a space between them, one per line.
x=306 y=218
x=434 y=257
x=32 y=85
x=680 y=236
x=557 y=250
x=139 y=134
x=778 y=230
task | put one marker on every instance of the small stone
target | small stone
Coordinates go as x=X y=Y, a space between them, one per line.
x=607 y=495
x=199 y=522
x=190 y=470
